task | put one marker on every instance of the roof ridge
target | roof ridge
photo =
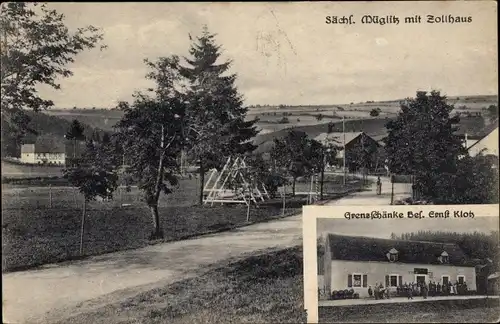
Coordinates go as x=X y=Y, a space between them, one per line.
x=395 y=240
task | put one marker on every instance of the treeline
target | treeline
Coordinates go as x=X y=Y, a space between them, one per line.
x=41 y=125
x=476 y=245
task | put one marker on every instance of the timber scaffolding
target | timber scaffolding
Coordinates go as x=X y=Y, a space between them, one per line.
x=218 y=191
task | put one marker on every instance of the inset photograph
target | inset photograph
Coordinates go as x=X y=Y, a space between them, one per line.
x=406 y=271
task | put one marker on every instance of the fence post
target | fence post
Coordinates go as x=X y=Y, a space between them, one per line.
x=50 y=196
x=74 y=197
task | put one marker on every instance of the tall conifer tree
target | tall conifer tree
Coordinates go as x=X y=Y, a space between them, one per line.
x=216 y=106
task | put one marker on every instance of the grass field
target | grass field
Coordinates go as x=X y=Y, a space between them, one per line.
x=11 y=170
x=464 y=311
x=264 y=288
x=186 y=194
x=33 y=234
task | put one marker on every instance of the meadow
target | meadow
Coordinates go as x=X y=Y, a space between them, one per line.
x=33 y=233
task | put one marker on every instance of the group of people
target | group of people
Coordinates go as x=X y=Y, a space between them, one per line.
x=432 y=289
x=420 y=289
x=379 y=291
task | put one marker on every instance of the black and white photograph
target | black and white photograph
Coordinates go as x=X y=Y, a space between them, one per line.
x=157 y=157
x=407 y=271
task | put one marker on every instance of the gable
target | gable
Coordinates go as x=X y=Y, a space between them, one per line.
x=353 y=248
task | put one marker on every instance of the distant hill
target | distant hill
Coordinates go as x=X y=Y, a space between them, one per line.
x=48 y=126
x=103 y=119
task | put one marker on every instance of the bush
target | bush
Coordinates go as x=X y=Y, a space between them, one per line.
x=283 y=120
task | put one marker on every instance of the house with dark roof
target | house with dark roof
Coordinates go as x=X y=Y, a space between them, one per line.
x=47 y=150
x=355 y=142
x=353 y=262
x=487 y=143
x=43 y=151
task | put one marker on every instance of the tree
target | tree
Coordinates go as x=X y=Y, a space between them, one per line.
x=36 y=46
x=151 y=135
x=475 y=182
x=375 y=112
x=214 y=106
x=421 y=142
x=493 y=112
x=95 y=176
x=75 y=131
x=296 y=155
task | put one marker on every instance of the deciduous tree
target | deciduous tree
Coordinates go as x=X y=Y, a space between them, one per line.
x=95 y=175
x=36 y=47
x=151 y=135
x=421 y=142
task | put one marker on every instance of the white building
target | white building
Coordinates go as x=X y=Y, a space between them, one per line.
x=352 y=262
x=43 y=153
x=488 y=144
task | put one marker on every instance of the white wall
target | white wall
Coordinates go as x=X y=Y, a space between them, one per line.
x=490 y=143
x=54 y=158
x=376 y=272
x=28 y=158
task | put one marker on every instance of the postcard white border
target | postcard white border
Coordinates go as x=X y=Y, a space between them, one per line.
x=310 y=214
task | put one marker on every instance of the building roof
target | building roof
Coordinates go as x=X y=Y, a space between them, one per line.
x=490 y=130
x=337 y=137
x=475 y=128
x=43 y=145
x=357 y=248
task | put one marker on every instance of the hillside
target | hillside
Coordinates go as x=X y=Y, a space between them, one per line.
x=49 y=126
x=275 y=121
x=103 y=119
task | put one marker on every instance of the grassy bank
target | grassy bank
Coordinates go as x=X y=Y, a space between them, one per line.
x=266 y=288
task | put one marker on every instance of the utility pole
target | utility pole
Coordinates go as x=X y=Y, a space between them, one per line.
x=343 y=132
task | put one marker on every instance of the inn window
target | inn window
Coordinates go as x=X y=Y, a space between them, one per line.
x=444 y=257
x=460 y=279
x=445 y=280
x=357 y=280
x=394 y=280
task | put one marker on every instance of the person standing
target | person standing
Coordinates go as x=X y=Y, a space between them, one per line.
x=410 y=291
x=424 y=290
x=379 y=186
x=370 y=291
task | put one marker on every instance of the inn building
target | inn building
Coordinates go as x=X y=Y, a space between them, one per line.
x=353 y=262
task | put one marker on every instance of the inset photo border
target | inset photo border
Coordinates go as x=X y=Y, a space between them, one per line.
x=401 y=264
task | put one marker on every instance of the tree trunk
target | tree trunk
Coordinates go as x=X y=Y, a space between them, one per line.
x=83 y=225
x=157 y=233
x=322 y=179
x=202 y=183
x=293 y=187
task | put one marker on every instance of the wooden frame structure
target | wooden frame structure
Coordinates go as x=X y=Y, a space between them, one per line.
x=314 y=190
x=219 y=193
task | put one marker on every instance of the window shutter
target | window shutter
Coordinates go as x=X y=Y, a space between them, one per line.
x=365 y=280
x=387 y=280
x=400 y=281
x=349 y=280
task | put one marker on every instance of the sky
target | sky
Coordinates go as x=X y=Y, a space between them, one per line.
x=285 y=53
x=382 y=228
